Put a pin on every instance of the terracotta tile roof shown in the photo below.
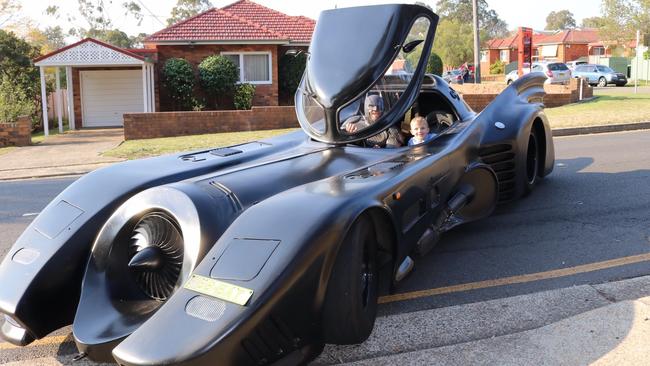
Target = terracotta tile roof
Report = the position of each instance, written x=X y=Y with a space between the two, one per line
x=243 y=20
x=585 y=36
x=503 y=43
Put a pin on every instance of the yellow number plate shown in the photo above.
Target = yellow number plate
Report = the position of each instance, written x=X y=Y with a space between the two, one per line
x=219 y=289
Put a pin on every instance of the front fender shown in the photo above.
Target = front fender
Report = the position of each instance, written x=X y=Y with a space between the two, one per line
x=46 y=264
x=297 y=233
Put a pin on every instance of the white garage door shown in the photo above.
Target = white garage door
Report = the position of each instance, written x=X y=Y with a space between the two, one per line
x=107 y=94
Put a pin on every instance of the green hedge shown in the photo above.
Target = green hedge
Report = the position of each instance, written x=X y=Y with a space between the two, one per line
x=244 y=94
x=178 y=78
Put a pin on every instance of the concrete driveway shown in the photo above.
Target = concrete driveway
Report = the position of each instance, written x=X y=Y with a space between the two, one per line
x=75 y=152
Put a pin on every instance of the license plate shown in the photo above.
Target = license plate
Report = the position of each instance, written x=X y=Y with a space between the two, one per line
x=219 y=289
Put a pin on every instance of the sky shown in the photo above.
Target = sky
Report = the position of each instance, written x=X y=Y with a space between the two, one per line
x=524 y=13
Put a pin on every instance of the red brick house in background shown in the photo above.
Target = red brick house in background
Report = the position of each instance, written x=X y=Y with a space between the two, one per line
x=253 y=36
x=563 y=46
x=104 y=82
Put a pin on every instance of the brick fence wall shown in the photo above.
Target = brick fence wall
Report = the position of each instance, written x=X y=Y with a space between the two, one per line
x=18 y=133
x=167 y=124
x=478 y=96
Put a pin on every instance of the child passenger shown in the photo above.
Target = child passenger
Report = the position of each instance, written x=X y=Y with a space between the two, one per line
x=420 y=131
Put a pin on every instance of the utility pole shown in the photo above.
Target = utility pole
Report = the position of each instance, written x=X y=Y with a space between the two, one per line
x=477 y=49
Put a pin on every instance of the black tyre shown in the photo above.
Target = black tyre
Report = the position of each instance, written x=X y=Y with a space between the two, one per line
x=602 y=82
x=350 y=306
x=532 y=162
x=509 y=82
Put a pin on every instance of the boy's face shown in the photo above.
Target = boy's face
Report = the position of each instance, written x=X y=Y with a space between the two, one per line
x=419 y=129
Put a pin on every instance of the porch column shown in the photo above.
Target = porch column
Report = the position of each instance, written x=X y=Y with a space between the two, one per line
x=46 y=128
x=68 y=82
x=59 y=105
x=145 y=94
x=153 y=88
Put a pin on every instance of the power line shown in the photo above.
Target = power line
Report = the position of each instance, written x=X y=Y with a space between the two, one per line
x=151 y=13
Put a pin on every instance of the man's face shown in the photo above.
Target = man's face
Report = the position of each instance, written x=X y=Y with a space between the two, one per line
x=374 y=112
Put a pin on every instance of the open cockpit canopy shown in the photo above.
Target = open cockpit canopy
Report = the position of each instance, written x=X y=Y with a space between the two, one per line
x=359 y=52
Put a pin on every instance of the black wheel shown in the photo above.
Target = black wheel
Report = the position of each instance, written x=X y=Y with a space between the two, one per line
x=532 y=162
x=509 y=82
x=350 y=306
x=602 y=82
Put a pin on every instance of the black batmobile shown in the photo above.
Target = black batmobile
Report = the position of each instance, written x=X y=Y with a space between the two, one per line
x=264 y=251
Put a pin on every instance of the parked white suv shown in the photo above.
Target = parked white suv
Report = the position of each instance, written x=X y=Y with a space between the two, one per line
x=556 y=72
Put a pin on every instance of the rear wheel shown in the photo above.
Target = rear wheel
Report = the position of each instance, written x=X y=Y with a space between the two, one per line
x=350 y=306
x=602 y=82
x=532 y=162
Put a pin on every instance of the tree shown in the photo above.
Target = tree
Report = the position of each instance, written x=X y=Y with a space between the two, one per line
x=593 y=22
x=562 y=19
x=622 y=18
x=462 y=11
x=112 y=36
x=434 y=64
x=290 y=70
x=99 y=24
x=218 y=76
x=454 y=42
x=8 y=11
x=187 y=8
x=19 y=78
x=48 y=40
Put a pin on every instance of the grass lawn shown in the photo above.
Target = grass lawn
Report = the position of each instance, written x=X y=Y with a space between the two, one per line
x=135 y=149
x=605 y=109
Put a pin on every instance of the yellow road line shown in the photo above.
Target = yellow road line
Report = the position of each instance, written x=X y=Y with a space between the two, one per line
x=517 y=279
x=455 y=288
x=41 y=342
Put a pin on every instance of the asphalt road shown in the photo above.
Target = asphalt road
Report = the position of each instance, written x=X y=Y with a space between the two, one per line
x=594 y=207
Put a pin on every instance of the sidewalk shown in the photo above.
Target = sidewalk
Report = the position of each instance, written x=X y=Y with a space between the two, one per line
x=606 y=324
x=75 y=152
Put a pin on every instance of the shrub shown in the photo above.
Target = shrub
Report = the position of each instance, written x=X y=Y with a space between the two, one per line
x=290 y=72
x=178 y=77
x=244 y=96
x=434 y=64
x=218 y=76
x=498 y=67
x=14 y=102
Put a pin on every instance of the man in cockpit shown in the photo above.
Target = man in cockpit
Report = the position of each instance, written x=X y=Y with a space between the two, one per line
x=374 y=108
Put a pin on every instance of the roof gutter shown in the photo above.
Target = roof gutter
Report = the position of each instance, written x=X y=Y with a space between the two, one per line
x=215 y=42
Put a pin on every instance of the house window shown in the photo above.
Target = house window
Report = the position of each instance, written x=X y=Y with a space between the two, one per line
x=598 y=51
x=504 y=55
x=254 y=67
x=484 y=56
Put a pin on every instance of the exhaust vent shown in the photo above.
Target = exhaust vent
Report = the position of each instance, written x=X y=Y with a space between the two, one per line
x=501 y=159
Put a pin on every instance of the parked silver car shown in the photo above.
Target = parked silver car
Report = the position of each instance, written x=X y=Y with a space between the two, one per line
x=556 y=72
x=600 y=75
x=453 y=76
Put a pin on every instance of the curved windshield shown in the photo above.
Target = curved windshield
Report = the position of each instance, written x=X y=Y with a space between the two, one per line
x=370 y=106
x=310 y=110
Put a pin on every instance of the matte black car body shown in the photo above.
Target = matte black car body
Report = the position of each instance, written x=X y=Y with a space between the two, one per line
x=114 y=253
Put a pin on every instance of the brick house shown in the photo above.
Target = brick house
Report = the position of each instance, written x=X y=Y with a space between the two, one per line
x=563 y=46
x=104 y=81
x=253 y=36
